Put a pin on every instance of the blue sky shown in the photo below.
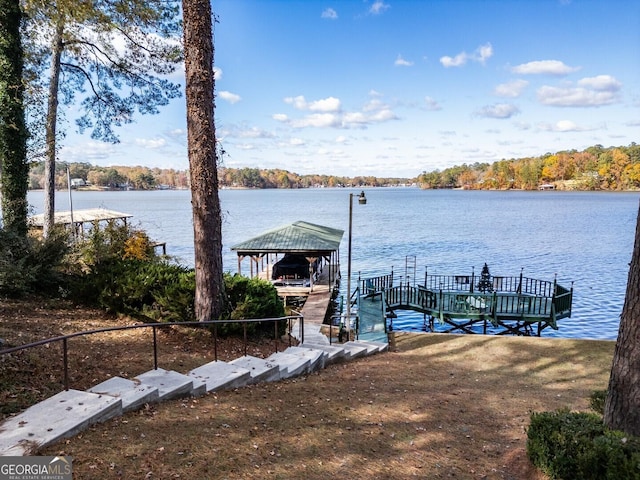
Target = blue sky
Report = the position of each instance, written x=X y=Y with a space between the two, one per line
x=397 y=87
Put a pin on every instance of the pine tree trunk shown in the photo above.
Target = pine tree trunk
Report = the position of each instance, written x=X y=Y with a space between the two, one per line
x=50 y=135
x=622 y=406
x=14 y=169
x=198 y=49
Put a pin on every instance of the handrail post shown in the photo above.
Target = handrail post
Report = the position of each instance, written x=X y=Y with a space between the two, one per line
x=215 y=342
x=155 y=349
x=302 y=329
x=65 y=360
x=275 y=333
x=244 y=331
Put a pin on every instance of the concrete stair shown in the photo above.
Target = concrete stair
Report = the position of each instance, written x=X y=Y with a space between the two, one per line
x=133 y=394
x=261 y=370
x=61 y=416
x=70 y=412
x=219 y=375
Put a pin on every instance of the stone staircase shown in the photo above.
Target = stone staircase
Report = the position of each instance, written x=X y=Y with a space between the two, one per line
x=70 y=412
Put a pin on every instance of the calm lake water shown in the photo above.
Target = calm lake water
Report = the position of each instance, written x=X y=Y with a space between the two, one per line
x=582 y=237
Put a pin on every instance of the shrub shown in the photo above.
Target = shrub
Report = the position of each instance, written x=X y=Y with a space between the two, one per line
x=151 y=290
x=569 y=445
x=596 y=401
x=29 y=264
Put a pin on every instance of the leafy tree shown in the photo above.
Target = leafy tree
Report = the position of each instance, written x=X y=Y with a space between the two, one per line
x=122 y=50
x=622 y=406
x=203 y=157
x=14 y=170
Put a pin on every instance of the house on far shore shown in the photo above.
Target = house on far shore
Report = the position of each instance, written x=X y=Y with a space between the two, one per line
x=547 y=186
x=78 y=182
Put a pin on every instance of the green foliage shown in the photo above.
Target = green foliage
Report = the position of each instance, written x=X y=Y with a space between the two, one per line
x=252 y=298
x=30 y=265
x=569 y=445
x=114 y=241
x=14 y=169
x=249 y=298
x=151 y=290
x=596 y=401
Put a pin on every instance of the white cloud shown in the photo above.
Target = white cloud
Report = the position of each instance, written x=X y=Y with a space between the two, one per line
x=562 y=126
x=217 y=73
x=329 y=104
x=378 y=7
x=229 y=97
x=318 y=120
x=590 y=92
x=456 y=61
x=432 y=104
x=341 y=139
x=329 y=114
x=511 y=89
x=151 y=143
x=601 y=83
x=253 y=132
x=296 y=142
x=544 y=67
x=329 y=13
x=401 y=62
x=481 y=54
x=88 y=151
x=498 y=110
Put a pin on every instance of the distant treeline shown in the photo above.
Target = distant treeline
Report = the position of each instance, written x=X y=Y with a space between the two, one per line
x=85 y=175
x=595 y=168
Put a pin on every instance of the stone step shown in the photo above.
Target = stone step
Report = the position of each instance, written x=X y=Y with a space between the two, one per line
x=61 y=416
x=377 y=347
x=170 y=384
x=334 y=352
x=371 y=348
x=354 y=350
x=316 y=357
x=290 y=365
x=261 y=370
x=134 y=394
x=219 y=375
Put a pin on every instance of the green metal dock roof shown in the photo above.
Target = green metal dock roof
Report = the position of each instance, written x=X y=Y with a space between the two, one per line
x=299 y=237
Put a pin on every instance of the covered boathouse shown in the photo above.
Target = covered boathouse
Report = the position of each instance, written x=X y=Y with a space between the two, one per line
x=295 y=258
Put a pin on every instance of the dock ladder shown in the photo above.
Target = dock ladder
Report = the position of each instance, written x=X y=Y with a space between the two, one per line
x=410 y=270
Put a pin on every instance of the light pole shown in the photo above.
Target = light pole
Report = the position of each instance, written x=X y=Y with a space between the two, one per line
x=362 y=200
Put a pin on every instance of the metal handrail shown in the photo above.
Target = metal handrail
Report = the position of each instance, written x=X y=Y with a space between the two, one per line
x=65 y=338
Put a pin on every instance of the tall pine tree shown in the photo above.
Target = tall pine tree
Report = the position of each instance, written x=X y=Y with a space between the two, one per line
x=201 y=137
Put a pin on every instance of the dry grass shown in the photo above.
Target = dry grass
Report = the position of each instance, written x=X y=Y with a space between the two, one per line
x=436 y=406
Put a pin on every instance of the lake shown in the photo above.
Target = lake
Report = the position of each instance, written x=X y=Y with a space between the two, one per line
x=580 y=237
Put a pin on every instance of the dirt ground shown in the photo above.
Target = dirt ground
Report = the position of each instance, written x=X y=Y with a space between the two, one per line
x=434 y=406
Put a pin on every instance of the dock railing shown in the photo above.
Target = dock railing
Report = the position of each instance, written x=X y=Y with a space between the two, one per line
x=516 y=298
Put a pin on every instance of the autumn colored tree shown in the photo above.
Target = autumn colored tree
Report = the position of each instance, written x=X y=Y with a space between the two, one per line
x=14 y=170
x=622 y=406
x=201 y=141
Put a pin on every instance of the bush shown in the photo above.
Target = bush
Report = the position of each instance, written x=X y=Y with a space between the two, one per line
x=596 y=401
x=29 y=265
x=151 y=290
x=568 y=445
x=249 y=298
